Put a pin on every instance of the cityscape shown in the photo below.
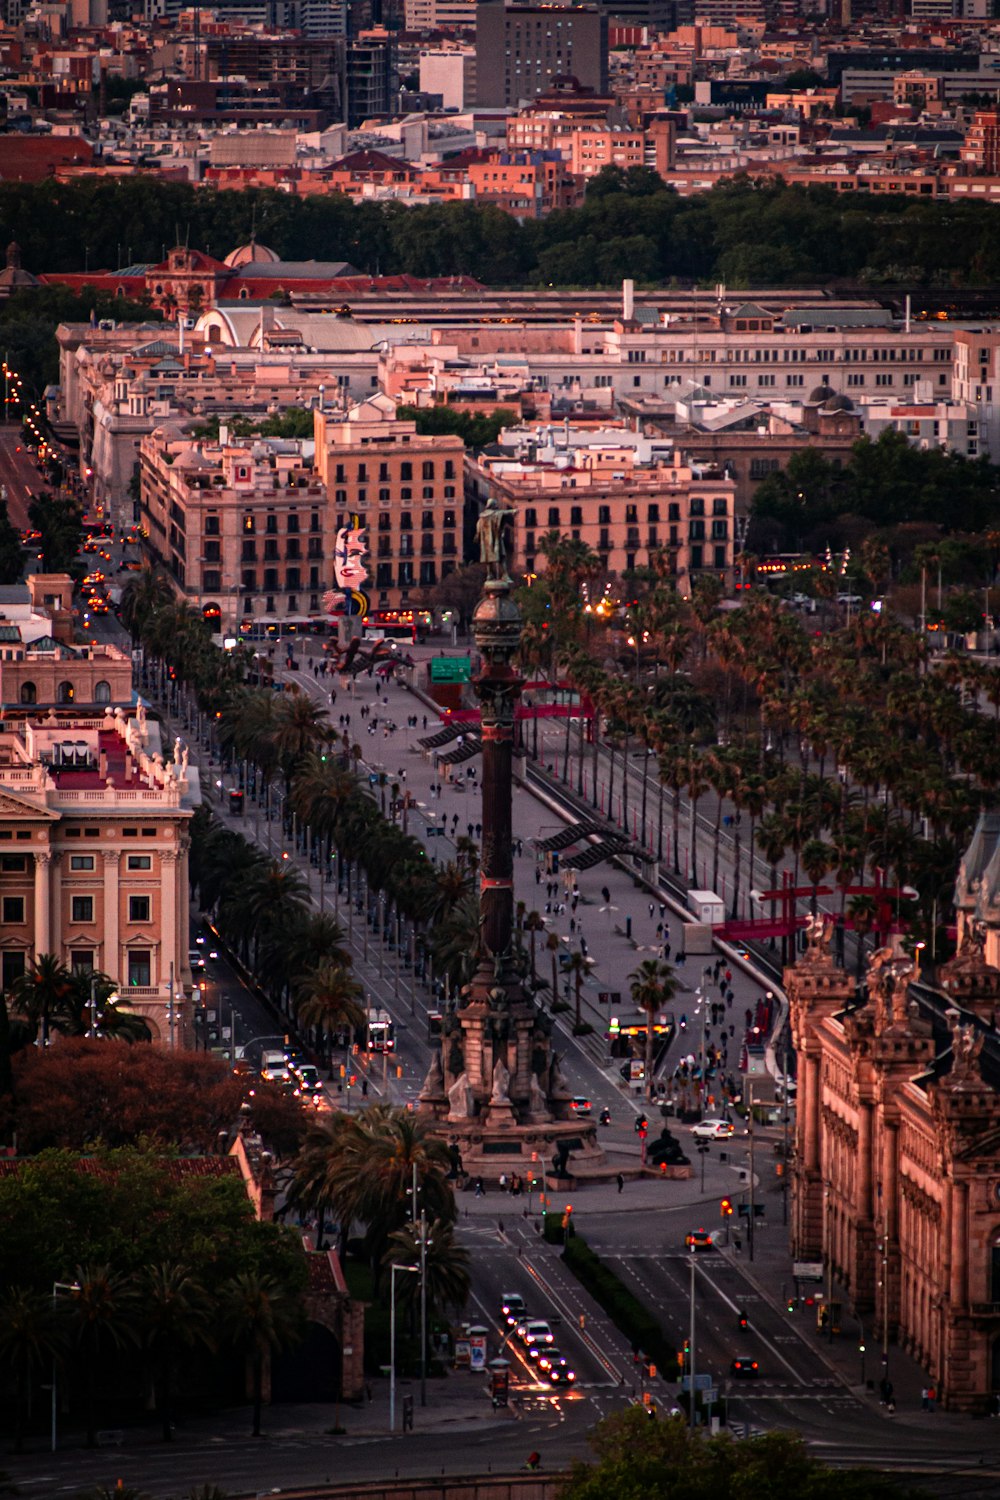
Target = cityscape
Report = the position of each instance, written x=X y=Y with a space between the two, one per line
x=499 y=752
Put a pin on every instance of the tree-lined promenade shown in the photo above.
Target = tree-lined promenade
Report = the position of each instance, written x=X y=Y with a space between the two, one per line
x=841 y=753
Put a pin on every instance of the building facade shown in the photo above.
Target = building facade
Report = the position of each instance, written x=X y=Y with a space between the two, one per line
x=94 y=857
x=521 y=48
x=625 y=511
x=896 y=1176
x=406 y=490
x=243 y=527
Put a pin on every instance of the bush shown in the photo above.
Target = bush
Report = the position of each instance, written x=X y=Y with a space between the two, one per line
x=552 y=1230
x=639 y=1326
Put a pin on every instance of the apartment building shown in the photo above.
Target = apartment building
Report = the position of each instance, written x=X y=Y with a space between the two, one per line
x=977 y=382
x=520 y=49
x=243 y=527
x=406 y=489
x=625 y=510
x=94 y=857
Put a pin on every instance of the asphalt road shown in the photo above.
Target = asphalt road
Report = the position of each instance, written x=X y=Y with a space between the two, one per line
x=19 y=473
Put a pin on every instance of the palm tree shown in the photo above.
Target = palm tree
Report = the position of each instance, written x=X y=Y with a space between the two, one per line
x=30 y=1341
x=259 y=1317
x=817 y=859
x=447 y=1265
x=300 y=725
x=327 y=1000
x=579 y=967
x=652 y=984
x=145 y=594
x=45 y=993
x=176 y=1313
x=101 y=1317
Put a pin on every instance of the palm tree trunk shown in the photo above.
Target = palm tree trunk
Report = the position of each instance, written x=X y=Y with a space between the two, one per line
x=258 y=1388
x=736 y=871
x=648 y=1062
x=645 y=792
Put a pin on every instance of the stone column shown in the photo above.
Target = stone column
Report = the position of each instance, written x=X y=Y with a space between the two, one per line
x=55 y=903
x=112 y=964
x=171 y=950
x=811 y=1113
x=958 y=1288
x=43 y=859
x=496 y=627
x=863 y=1204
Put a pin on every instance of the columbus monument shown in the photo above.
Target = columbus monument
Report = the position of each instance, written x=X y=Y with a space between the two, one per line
x=495 y=1089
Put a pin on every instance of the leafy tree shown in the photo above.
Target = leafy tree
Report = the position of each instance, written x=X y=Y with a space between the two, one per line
x=476 y=429
x=60 y=521
x=11 y=556
x=651 y=985
x=642 y=1460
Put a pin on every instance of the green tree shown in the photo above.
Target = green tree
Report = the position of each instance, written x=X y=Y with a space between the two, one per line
x=11 y=556
x=651 y=985
x=30 y=1340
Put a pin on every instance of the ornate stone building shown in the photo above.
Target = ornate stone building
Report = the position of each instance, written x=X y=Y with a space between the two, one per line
x=896 y=1178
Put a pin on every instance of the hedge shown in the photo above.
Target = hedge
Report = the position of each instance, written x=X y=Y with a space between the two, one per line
x=636 y=1322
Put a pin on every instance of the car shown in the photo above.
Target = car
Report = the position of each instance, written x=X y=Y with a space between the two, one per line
x=556 y=1368
x=713 y=1130
x=699 y=1239
x=308 y=1077
x=213 y=954
x=850 y=599
x=93 y=578
x=580 y=1104
x=195 y=961
x=512 y=1308
x=534 y=1332
x=744 y=1368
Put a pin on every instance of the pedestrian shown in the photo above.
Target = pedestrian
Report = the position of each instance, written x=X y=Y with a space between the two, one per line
x=538 y=875
x=605 y=895
x=659 y=930
x=364 y=1088
x=891 y=1406
x=652 y=908
x=425 y=721
x=621 y=1183
x=500 y=1226
x=729 y=976
x=924 y=1402
x=681 y=958
x=666 y=951
x=932 y=1398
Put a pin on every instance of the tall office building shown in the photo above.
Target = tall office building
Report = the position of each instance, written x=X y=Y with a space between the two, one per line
x=521 y=48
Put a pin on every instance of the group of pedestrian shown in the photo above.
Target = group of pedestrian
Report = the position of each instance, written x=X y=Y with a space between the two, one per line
x=514 y=1184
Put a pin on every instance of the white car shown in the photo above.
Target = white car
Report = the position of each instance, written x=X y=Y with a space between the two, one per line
x=196 y=960
x=713 y=1130
x=535 y=1331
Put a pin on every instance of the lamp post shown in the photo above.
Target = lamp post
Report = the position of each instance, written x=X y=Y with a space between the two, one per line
x=392 y=1340
x=58 y=1286
x=691 y=1351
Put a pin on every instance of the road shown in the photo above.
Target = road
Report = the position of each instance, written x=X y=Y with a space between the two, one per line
x=19 y=473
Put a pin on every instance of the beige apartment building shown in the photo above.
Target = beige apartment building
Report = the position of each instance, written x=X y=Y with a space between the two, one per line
x=243 y=527
x=406 y=490
x=624 y=510
x=94 y=857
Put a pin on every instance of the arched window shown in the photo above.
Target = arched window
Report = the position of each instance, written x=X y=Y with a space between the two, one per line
x=102 y=692
x=29 y=693
x=65 y=693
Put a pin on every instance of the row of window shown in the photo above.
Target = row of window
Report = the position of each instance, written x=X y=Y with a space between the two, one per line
x=66 y=692
x=696 y=507
x=212 y=581
x=293 y=549
x=696 y=558
x=17 y=864
x=250 y=519
x=428 y=574
x=140 y=909
x=427 y=471
x=386 y=497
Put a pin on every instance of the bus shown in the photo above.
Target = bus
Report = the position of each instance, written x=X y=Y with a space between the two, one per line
x=409 y=625
x=381 y=1032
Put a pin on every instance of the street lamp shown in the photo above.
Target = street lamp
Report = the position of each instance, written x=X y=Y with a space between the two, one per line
x=392 y=1339
x=59 y=1286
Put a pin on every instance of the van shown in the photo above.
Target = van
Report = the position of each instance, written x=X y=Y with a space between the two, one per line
x=274 y=1066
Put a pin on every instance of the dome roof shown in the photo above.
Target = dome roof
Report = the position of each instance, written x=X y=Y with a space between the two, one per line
x=839 y=403
x=244 y=255
x=821 y=393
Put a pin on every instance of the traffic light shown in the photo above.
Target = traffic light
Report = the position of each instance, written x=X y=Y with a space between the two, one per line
x=641 y=1124
x=726 y=1208
x=742 y=1317
x=791 y=1303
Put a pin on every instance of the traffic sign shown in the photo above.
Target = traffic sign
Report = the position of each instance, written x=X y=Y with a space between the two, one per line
x=808 y=1270
x=451 y=668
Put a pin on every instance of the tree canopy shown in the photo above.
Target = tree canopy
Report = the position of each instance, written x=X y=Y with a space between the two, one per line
x=640 y=1459
x=744 y=231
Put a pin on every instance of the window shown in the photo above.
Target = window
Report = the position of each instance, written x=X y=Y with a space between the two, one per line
x=138 y=967
x=576 y=515
x=211 y=580
x=13 y=863
x=81 y=861
x=553 y=515
x=211 y=526
x=82 y=908
x=213 y=553
x=405 y=472
x=138 y=909
x=29 y=693
x=428 y=469
x=102 y=692
x=81 y=960
x=13 y=968
x=13 y=910
x=139 y=862
x=65 y=692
